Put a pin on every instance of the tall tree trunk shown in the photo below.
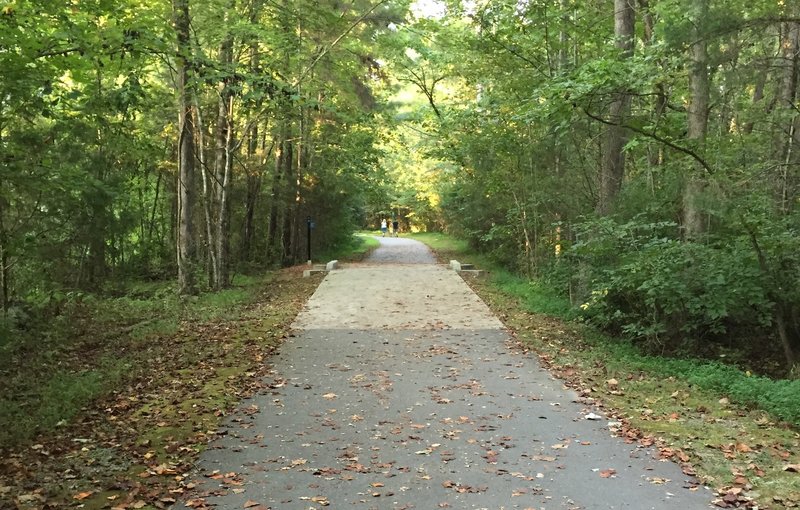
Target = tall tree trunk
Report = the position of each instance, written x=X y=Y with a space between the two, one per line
x=152 y=223
x=694 y=218
x=224 y=208
x=758 y=96
x=254 y=170
x=613 y=167
x=563 y=36
x=655 y=153
x=208 y=199
x=278 y=222
x=186 y=252
x=789 y=137
x=224 y=161
x=5 y=267
x=281 y=212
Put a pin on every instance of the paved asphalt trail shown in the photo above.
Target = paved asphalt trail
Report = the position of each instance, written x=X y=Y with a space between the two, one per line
x=400 y=390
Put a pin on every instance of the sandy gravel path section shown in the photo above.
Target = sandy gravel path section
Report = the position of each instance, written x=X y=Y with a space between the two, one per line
x=413 y=296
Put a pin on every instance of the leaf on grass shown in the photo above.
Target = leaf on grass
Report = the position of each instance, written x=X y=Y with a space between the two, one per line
x=793 y=468
x=82 y=495
x=164 y=469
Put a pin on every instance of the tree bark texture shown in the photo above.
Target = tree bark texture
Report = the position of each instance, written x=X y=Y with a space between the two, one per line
x=613 y=166
x=223 y=163
x=5 y=267
x=186 y=252
x=694 y=218
x=786 y=181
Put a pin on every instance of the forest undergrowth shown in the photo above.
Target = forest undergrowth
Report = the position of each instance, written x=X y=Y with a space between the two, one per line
x=738 y=433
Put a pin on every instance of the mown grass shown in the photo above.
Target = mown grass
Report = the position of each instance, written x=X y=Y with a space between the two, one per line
x=736 y=429
x=358 y=247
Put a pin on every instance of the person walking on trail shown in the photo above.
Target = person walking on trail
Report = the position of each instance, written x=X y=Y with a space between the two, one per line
x=383 y=227
x=395 y=227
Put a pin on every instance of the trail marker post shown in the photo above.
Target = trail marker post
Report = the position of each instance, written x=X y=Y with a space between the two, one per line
x=310 y=225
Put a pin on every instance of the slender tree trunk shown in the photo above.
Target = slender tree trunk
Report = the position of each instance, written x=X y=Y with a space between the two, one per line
x=186 y=252
x=613 y=167
x=758 y=96
x=224 y=161
x=254 y=170
x=694 y=218
x=655 y=153
x=789 y=138
x=281 y=211
x=280 y=190
x=224 y=209
x=563 y=36
x=208 y=199
x=153 y=212
x=5 y=268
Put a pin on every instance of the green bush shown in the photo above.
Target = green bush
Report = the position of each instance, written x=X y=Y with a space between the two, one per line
x=671 y=294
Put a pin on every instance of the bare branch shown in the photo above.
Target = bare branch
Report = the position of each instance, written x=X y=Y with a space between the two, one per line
x=672 y=145
x=336 y=41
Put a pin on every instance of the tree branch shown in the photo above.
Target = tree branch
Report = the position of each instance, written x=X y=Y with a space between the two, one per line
x=672 y=145
x=336 y=41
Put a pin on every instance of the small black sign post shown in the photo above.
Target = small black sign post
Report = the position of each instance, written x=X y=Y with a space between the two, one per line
x=310 y=225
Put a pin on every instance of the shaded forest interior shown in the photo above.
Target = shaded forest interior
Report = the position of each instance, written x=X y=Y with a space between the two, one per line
x=641 y=157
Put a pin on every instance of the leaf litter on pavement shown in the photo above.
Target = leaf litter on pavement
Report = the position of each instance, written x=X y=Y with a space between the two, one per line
x=749 y=459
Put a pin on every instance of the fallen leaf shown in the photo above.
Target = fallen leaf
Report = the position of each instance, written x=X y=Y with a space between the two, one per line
x=330 y=396
x=793 y=468
x=82 y=495
x=608 y=473
x=250 y=503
